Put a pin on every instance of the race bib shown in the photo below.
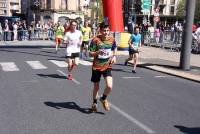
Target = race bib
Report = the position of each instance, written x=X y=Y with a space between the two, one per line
x=134 y=46
x=104 y=53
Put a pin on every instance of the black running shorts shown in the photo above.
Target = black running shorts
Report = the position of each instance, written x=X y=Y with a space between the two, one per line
x=96 y=75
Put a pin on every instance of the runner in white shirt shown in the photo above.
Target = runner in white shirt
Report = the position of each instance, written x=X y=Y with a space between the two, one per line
x=73 y=41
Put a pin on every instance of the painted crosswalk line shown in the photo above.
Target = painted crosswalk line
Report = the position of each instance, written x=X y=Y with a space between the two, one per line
x=12 y=66
x=36 y=65
x=59 y=63
x=85 y=63
x=9 y=66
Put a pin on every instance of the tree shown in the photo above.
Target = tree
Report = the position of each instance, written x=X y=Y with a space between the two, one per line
x=197 y=11
x=181 y=9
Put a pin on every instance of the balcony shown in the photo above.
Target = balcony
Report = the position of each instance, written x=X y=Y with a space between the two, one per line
x=14 y=1
x=14 y=7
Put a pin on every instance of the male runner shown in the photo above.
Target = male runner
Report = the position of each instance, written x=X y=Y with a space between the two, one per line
x=103 y=49
x=134 y=48
x=73 y=41
x=59 y=31
x=86 y=31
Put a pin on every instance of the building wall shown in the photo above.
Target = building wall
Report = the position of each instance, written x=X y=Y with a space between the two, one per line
x=7 y=7
x=63 y=8
x=168 y=6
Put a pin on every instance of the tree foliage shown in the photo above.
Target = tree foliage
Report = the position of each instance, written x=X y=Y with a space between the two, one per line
x=181 y=9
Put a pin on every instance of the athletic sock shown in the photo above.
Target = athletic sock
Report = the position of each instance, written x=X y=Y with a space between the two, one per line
x=104 y=97
x=95 y=101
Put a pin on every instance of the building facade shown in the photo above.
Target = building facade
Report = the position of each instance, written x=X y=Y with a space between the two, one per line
x=167 y=7
x=54 y=10
x=167 y=10
x=10 y=7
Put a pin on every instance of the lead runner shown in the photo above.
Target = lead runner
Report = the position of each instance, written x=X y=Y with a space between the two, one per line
x=103 y=48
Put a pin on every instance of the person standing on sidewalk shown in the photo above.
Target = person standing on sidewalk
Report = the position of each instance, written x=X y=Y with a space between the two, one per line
x=87 y=32
x=59 y=31
x=103 y=49
x=134 y=48
x=73 y=41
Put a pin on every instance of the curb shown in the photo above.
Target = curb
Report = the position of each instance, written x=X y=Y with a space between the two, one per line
x=173 y=72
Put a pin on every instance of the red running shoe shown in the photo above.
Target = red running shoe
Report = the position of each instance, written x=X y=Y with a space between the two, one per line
x=69 y=77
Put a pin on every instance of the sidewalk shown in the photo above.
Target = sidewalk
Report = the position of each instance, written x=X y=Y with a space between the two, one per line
x=153 y=58
x=167 y=61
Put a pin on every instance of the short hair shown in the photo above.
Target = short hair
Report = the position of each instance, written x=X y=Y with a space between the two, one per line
x=73 y=21
x=136 y=28
x=103 y=25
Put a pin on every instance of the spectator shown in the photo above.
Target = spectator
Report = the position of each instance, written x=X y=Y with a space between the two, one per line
x=1 y=31
x=15 y=27
x=5 y=30
x=157 y=34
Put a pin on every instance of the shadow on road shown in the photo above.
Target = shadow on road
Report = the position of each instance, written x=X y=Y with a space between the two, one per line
x=69 y=105
x=187 y=130
x=52 y=76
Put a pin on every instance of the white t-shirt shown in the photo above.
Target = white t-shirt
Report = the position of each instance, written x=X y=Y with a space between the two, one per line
x=75 y=41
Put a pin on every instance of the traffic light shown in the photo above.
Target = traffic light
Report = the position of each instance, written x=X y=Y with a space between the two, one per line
x=146 y=4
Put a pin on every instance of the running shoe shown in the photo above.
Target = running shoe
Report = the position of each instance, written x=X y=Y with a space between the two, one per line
x=69 y=77
x=105 y=104
x=94 y=107
x=125 y=63
x=133 y=71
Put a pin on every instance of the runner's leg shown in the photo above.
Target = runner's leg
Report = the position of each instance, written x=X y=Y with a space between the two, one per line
x=136 y=55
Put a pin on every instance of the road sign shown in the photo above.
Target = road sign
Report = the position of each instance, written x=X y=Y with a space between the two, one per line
x=146 y=4
x=36 y=3
x=156 y=18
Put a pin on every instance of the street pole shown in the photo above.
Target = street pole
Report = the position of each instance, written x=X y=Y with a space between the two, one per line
x=187 y=35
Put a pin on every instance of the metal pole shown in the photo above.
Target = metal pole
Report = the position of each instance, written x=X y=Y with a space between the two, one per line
x=187 y=35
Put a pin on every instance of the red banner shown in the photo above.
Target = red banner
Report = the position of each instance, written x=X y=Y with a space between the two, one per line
x=113 y=12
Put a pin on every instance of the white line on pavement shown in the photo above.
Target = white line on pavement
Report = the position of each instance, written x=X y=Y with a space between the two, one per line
x=74 y=80
x=9 y=66
x=131 y=77
x=59 y=63
x=130 y=118
x=162 y=76
x=52 y=48
x=36 y=65
x=86 y=63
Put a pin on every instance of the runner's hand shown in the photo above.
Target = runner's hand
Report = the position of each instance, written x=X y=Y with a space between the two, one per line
x=113 y=60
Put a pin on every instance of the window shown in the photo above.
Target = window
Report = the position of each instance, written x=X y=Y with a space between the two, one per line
x=48 y=4
x=172 y=9
x=172 y=2
x=3 y=5
x=161 y=1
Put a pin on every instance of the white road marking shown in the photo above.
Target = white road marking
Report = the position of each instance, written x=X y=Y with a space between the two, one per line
x=59 y=63
x=86 y=63
x=162 y=76
x=53 y=48
x=74 y=80
x=133 y=120
x=9 y=66
x=195 y=70
x=131 y=77
x=36 y=65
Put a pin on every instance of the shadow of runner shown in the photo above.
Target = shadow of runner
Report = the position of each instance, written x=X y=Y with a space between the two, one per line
x=52 y=76
x=70 y=105
x=187 y=130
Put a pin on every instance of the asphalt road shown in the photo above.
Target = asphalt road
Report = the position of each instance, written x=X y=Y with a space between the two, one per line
x=36 y=98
